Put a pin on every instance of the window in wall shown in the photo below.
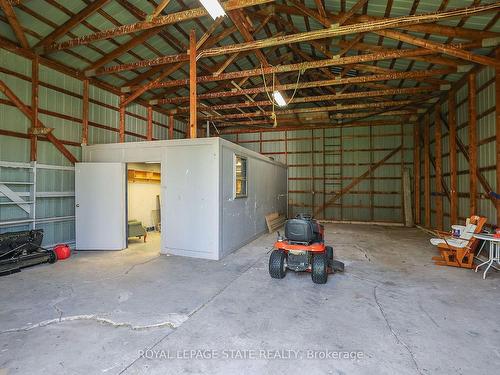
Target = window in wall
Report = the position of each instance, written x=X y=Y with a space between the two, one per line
x=240 y=176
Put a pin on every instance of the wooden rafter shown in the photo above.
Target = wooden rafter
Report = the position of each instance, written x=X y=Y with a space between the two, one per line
x=14 y=23
x=318 y=64
x=70 y=24
x=357 y=6
x=145 y=25
x=439 y=47
x=304 y=85
x=324 y=98
x=159 y=8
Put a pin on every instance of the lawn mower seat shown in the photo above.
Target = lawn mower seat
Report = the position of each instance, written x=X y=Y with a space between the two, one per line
x=302 y=229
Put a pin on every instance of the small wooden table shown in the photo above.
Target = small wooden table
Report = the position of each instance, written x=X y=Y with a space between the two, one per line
x=494 y=255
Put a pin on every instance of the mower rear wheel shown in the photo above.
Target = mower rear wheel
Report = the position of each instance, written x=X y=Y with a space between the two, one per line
x=277 y=265
x=319 y=272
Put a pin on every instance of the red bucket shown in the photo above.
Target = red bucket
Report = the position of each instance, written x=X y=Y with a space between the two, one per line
x=62 y=251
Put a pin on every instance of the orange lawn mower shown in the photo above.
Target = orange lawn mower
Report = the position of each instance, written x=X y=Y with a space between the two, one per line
x=303 y=249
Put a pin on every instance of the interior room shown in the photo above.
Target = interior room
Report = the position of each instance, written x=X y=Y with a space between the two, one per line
x=249 y=186
x=143 y=202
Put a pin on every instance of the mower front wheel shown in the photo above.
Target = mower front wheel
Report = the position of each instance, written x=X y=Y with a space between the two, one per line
x=319 y=272
x=277 y=265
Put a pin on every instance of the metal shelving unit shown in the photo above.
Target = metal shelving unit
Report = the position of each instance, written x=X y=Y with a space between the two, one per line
x=26 y=199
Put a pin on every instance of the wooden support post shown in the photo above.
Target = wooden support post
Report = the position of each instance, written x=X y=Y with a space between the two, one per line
x=85 y=113
x=427 y=173
x=452 y=141
x=438 y=167
x=34 y=106
x=122 y=119
x=149 y=134
x=472 y=144
x=497 y=88
x=416 y=170
x=192 y=84
x=171 y=126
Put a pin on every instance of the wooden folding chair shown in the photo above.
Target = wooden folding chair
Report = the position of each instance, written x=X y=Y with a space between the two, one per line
x=459 y=256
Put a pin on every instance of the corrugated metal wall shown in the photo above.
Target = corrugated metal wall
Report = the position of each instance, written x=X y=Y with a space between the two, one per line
x=324 y=161
x=60 y=107
x=486 y=151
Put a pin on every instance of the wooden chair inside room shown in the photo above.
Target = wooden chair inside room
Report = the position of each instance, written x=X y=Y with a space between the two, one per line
x=459 y=252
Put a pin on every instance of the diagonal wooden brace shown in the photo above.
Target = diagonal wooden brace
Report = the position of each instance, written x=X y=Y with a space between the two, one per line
x=28 y=113
x=358 y=179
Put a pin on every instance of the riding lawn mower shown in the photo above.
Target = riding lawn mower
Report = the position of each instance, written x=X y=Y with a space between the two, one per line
x=303 y=249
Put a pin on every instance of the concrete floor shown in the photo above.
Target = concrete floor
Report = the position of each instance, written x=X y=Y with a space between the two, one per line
x=98 y=312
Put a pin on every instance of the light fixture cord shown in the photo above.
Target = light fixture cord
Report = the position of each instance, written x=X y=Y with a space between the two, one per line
x=265 y=85
x=296 y=87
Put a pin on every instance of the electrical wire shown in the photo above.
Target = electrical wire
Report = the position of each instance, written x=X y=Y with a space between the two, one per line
x=271 y=98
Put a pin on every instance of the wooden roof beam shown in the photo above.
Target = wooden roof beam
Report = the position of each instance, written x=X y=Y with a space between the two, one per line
x=351 y=29
x=70 y=24
x=298 y=125
x=124 y=48
x=325 y=21
x=168 y=19
x=14 y=23
x=441 y=48
x=322 y=98
x=304 y=85
x=372 y=26
x=318 y=64
x=166 y=72
x=159 y=8
x=295 y=118
x=345 y=17
x=321 y=8
x=333 y=108
x=430 y=28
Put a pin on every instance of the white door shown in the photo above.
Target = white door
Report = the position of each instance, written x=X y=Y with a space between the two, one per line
x=100 y=198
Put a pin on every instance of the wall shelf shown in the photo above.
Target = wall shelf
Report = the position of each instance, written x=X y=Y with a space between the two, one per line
x=143 y=176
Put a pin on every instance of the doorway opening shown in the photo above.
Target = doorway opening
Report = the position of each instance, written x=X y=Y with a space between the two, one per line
x=143 y=205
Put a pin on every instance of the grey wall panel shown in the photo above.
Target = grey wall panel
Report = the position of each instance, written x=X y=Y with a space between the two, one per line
x=244 y=218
